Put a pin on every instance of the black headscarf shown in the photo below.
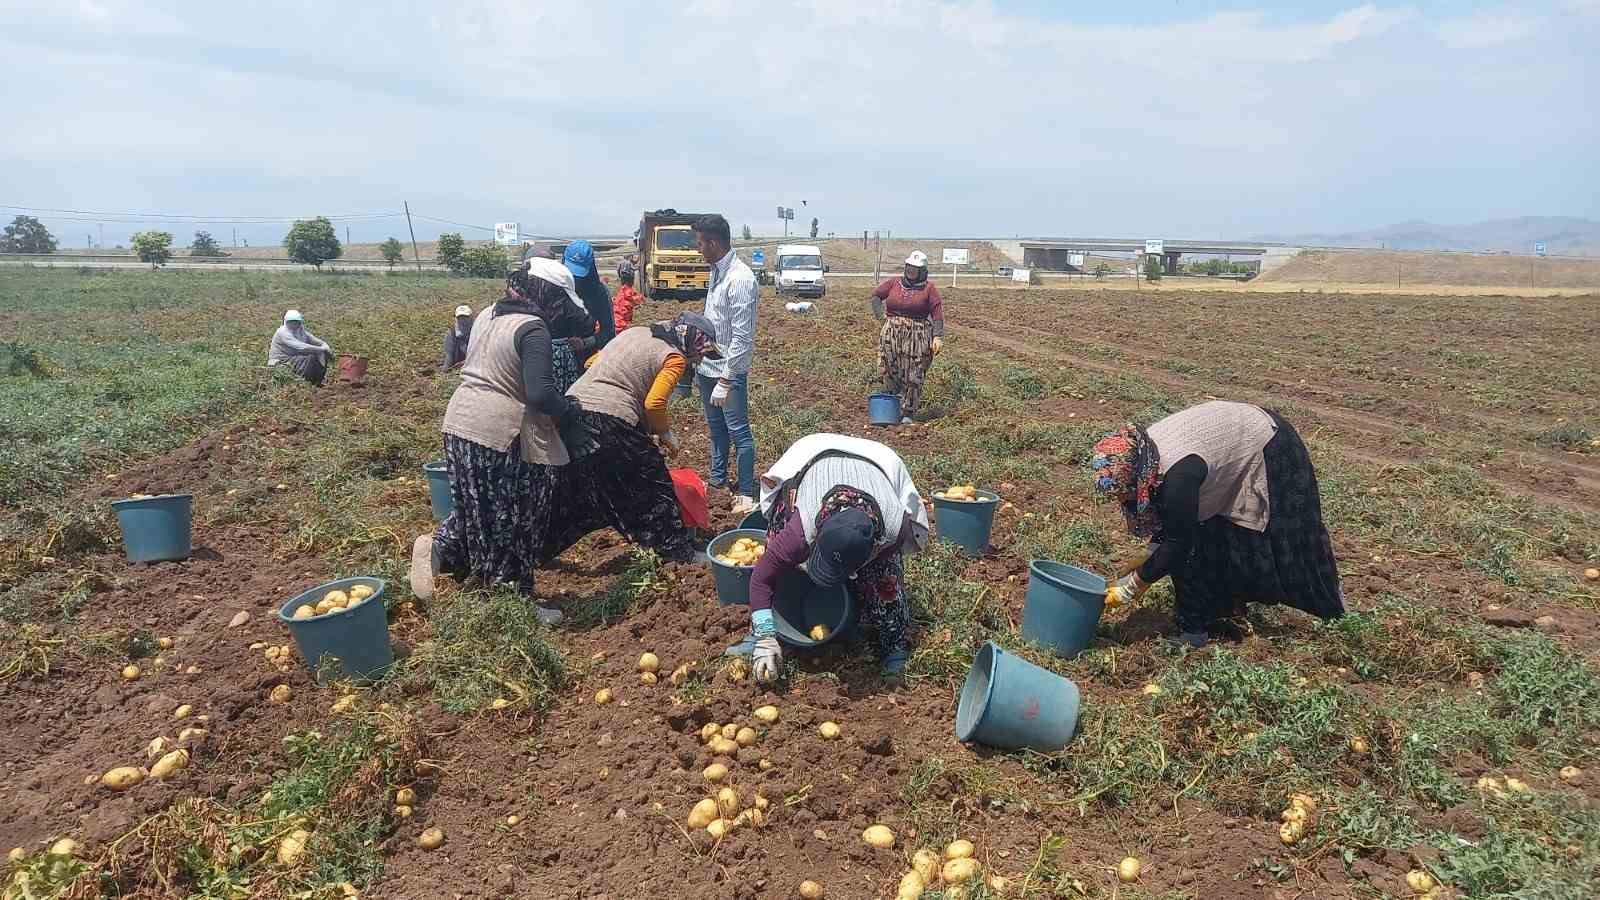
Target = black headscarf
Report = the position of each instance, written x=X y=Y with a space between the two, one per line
x=531 y=295
x=919 y=283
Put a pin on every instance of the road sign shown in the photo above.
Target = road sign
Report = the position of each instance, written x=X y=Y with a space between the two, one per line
x=789 y=213
x=1074 y=259
x=759 y=257
x=1538 y=248
x=1023 y=275
x=507 y=233
x=1154 y=247
x=955 y=256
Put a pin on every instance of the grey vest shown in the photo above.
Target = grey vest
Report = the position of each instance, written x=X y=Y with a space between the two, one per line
x=620 y=378
x=1229 y=437
x=490 y=405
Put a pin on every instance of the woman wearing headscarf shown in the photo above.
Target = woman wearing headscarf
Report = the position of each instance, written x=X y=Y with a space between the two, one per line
x=294 y=345
x=1227 y=496
x=592 y=293
x=571 y=331
x=456 y=339
x=502 y=442
x=912 y=332
x=618 y=475
x=627 y=299
x=846 y=510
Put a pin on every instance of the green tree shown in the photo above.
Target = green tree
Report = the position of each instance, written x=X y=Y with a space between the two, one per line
x=313 y=242
x=1152 y=267
x=487 y=261
x=205 y=245
x=153 y=247
x=451 y=249
x=747 y=232
x=26 y=234
x=392 y=251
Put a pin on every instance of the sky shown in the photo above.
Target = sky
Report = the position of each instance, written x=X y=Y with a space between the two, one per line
x=1168 y=118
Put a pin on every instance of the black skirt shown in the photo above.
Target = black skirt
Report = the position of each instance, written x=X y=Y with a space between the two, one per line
x=1291 y=562
x=500 y=513
x=620 y=483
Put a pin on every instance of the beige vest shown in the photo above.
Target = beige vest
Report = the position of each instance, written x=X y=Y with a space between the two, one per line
x=489 y=407
x=620 y=378
x=1229 y=438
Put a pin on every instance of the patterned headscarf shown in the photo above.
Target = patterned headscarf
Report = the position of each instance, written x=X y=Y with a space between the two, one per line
x=843 y=497
x=691 y=334
x=1127 y=466
x=542 y=298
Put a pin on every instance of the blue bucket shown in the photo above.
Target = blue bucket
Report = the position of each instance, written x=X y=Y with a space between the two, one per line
x=967 y=524
x=884 y=409
x=358 y=637
x=439 y=489
x=1063 y=606
x=733 y=582
x=799 y=605
x=156 y=528
x=1010 y=703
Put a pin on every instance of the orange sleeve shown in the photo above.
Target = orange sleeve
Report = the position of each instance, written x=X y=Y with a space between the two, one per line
x=655 y=403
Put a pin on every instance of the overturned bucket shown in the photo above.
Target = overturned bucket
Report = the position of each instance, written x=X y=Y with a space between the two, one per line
x=966 y=523
x=883 y=409
x=1010 y=703
x=356 y=638
x=1063 y=606
x=156 y=528
x=438 y=474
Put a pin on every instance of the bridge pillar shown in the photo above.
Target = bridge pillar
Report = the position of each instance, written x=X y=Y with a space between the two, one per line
x=1169 y=263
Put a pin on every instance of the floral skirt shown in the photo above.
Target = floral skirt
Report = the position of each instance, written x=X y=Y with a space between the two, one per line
x=500 y=516
x=905 y=351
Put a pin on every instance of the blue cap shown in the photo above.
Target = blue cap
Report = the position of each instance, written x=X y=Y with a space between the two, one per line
x=579 y=259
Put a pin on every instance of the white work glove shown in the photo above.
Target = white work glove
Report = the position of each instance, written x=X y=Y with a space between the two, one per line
x=671 y=443
x=938 y=344
x=767 y=660
x=719 y=394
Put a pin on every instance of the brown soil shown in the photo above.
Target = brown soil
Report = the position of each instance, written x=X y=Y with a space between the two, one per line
x=1486 y=269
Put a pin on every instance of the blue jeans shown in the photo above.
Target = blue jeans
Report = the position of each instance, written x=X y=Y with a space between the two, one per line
x=730 y=423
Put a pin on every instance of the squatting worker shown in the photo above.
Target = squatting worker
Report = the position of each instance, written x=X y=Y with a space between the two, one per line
x=846 y=510
x=725 y=383
x=294 y=345
x=456 y=338
x=579 y=260
x=627 y=299
x=549 y=288
x=618 y=476
x=912 y=333
x=502 y=442
x=1226 y=494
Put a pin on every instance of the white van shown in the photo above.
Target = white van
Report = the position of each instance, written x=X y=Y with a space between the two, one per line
x=800 y=271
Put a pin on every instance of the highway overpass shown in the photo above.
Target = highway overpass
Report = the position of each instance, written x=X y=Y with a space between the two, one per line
x=1056 y=254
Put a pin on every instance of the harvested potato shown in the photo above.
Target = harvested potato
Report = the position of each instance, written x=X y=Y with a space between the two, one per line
x=1591 y=574
x=280 y=694
x=911 y=886
x=1358 y=746
x=730 y=730
x=709 y=732
x=324 y=607
x=191 y=734
x=745 y=737
x=157 y=746
x=513 y=821
x=959 y=849
x=343 y=704
x=819 y=632
x=335 y=598
x=728 y=802
x=1571 y=773
x=1420 y=881
x=431 y=839
x=828 y=730
x=649 y=662
x=360 y=592
x=164 y=643
x=724 y=747
x=765 y=764
x=183 y=711
x=1128 y=869
x=292 y=847
x=304 y=612
x=1304 y=801
x=123 y=777
x=767 y=714
x=715 y=772
x=405 y=797
x=1291 y=832
x=719 y=828
x=65 y=847
x=810 y=890
x=1516 y=785
x=959 y=871
x=926 y=863
x=703 y=814
x=16 y=855
x=681 y=674
x=1292 y=814
x=998 y=884
x=647 y=678
x=170 y=763
x=878 y=836
x=1151 y=690
x=402 y=812
x=130 y=672
x=602 y=696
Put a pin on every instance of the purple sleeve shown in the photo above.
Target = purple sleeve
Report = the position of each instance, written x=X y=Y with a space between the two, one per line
x=785 y=551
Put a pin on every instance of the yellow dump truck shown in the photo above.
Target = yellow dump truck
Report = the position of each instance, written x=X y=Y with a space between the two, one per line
x=670 y=265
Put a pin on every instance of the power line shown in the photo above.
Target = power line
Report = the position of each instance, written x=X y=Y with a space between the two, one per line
x=135 y=217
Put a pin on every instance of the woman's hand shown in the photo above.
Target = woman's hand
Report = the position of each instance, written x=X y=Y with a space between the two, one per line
x=670 y=443
x=938 y=344
x=766 y=662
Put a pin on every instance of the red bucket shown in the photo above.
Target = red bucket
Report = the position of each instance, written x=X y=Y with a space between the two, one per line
x=352 y=367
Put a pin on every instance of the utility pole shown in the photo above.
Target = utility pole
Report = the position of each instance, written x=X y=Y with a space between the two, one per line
x=236 y=237
x=415 y=255
x=347 y=234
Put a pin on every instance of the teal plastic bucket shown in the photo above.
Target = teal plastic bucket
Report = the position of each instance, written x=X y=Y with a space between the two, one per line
x=439 y=488
x=967 y=524
x=156 y=528
x=1063 y=606
x=357 y=638
x=733 y=582
x=799 y=605
x=883 y=409
x=1010 y=703
x=756 y=520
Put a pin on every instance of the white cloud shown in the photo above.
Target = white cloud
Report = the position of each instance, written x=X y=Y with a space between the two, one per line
x=1490 y=28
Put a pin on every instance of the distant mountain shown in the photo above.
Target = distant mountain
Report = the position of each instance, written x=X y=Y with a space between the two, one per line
x=1561 y=235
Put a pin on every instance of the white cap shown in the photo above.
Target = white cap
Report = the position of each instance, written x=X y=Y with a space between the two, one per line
x=293 y=315
x=463 y=310
x=553 y=271
x=918 y=259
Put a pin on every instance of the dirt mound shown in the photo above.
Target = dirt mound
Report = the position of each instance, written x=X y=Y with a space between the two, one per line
x=1457 y=269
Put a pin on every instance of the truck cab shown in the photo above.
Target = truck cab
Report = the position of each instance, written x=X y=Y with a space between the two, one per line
x=670 y=264
x=800 y=271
